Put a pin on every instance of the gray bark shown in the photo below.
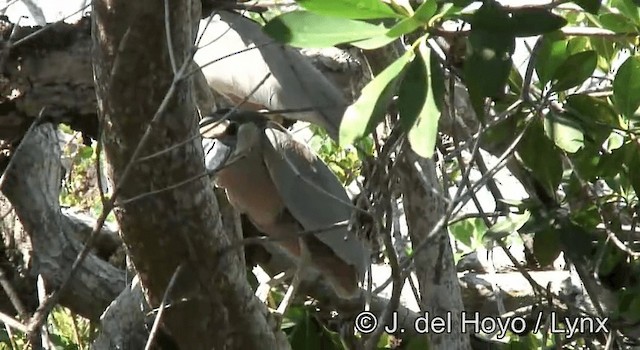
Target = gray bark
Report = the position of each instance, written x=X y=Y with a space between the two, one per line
x=33 y=187
x=213 y=305
x=435 y=269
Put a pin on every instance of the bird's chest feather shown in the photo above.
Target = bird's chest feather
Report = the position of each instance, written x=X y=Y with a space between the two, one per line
x=251 y=190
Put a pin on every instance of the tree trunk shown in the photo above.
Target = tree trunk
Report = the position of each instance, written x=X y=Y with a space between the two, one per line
x=439 y=287
x=212 y=305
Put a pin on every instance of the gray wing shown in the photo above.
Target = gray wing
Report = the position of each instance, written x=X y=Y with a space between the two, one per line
x=313 y=194
x=294 y=82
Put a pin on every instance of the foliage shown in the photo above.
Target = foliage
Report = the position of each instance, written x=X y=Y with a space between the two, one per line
x=569 y=116
x=67 y=331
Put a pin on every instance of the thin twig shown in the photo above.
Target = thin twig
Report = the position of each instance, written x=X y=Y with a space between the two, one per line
x=396 y=273
x=167 y=29
x=13 y=295
x=165 y=298
x=47 y=27
x=526 y=83
x=12 y=322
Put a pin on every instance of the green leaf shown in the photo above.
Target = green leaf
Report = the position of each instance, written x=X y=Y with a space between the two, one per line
x=626 y=87
x=491 y=16
x=606 y=50
x=420 y=342
x=505 y=228
x=628 y=9
x=548 y=169
x=413 y=92
x=574 y=70
x=575 y=45
x=419 y=112
x=594 y=112
x=552 y=53
x=564 y=132
x=575 y=240
x=515 y=81
x=487 y=67
x=632 y=311
x=591 y=6
x=420 y=18
x=357 y=120
x=633 y=163
x=489 y=51
x=306 y=334
x=353 y=9
x=467 y=231
x=546 y=246
x=617 y=23
x=306 y=29
x=373 y=43
x=85 y=152
x=534 y=21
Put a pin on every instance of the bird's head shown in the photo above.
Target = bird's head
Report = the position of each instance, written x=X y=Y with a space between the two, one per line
x=229 y=135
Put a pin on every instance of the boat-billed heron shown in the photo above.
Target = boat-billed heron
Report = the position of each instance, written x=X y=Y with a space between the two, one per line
x=286 y=190
x=235 y=56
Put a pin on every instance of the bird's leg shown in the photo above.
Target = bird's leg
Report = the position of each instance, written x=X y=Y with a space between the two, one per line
x=303 y=262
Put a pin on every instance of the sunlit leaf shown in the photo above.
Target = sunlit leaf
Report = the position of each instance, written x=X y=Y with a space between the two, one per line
x=419 y=112
x=85 y=152
x=504 y=228
x=574 y=70
x=357 y=120
x=617 y=23
x=353 y=9
x=420 y=18
x=628 y=9
x=373 y=43
x=626 y=87
x=606 y=50
x=566 y=134
x=467 y=231
x=306 y=29
x=575 y=45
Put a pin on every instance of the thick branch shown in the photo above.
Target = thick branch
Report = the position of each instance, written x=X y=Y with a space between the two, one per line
x=33 y=188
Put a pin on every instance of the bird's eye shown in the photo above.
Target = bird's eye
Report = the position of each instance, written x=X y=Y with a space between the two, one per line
x=232 y=129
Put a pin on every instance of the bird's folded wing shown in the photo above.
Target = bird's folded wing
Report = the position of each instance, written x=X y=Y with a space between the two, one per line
x=313 y=195
x=244 y=55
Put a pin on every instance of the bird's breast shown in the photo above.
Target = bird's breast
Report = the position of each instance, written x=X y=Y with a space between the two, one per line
x=251 y=190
